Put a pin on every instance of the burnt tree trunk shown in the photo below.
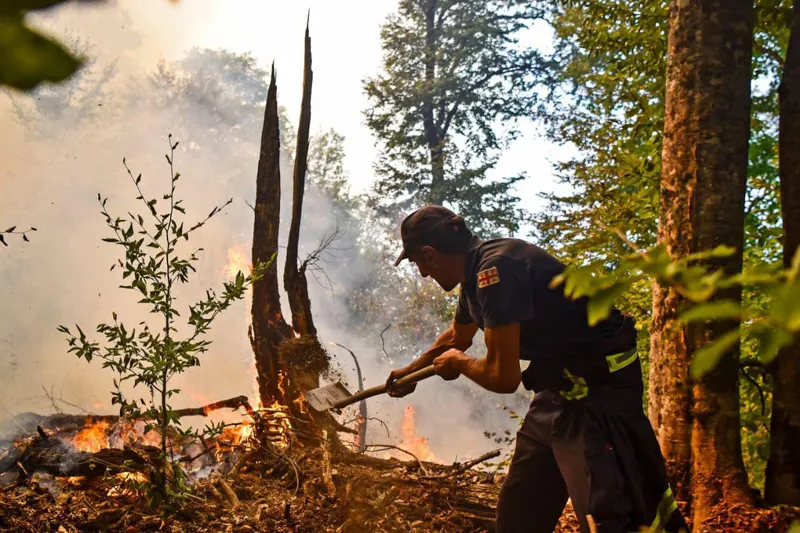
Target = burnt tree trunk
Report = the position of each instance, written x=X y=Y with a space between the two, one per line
x=269 y=330
x=783 y=468
x=703 y=184
x=304 y=355
x=432 y=135
x=294 y=279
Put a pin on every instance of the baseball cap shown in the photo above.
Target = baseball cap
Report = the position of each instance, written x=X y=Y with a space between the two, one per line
x=432 y=225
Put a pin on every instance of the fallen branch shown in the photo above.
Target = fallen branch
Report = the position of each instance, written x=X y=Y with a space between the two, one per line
x=341 y=428
x=227 y=491
x=230 y=403
x=459 y=469
x=383 y=447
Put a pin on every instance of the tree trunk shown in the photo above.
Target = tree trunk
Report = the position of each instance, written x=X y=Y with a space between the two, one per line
x=294 y=279
x=268 y=328
x=783 y=467
x=704 y=175
x=434 y=139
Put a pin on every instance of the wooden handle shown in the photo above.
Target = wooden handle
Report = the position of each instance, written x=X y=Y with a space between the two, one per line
x=414 y=377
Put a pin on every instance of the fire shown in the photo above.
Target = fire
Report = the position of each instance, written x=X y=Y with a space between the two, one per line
x=412 y=441
x=237 y=261
x=92 y=438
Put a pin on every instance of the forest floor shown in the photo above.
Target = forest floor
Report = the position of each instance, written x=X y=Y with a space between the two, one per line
x=48 y=485
x=368 y=494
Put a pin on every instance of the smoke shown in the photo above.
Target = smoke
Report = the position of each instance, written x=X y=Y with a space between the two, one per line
x=63 y=145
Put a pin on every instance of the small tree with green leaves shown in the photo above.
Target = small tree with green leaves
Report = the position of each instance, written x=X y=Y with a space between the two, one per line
x=149 y=357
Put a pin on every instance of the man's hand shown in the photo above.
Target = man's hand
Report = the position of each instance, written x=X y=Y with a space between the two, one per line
x=447 y=364
x=399 y=392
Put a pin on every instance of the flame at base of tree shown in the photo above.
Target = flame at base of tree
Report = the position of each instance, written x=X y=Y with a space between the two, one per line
x=411 y=439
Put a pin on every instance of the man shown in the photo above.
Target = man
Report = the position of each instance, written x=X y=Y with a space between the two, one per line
x=585 y=436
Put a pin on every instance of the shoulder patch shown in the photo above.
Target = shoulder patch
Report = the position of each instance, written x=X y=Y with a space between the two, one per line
x=488 y=277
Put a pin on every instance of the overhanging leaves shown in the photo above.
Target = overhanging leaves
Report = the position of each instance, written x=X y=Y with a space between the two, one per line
x=707 y=357
x=28 y=58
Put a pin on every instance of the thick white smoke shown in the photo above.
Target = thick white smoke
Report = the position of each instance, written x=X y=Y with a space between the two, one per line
x=62 y=146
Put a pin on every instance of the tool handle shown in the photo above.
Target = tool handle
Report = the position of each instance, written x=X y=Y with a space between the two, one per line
x=414 y=377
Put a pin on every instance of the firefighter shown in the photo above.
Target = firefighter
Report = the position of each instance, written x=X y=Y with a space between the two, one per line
x=585 y=436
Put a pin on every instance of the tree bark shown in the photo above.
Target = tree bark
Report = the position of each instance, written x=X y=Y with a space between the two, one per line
x=783 y=468
x=268 y=329
x=294 y=278
x=704 y=173
x=432 y=136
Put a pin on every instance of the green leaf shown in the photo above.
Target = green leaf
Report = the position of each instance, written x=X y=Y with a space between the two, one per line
x=600 y=305
x=12 y=228
x=717 y=310
x=27 y=58
x=707 y=357
x=771 y=340
x=2 y=240
x=29 y=5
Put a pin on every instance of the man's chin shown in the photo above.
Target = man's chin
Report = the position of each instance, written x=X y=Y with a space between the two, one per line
x=448 y=287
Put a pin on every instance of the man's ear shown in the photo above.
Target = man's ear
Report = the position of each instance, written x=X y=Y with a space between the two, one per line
x=429 y=253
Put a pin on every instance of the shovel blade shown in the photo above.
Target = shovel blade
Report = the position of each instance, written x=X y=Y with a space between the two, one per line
x=326 y=397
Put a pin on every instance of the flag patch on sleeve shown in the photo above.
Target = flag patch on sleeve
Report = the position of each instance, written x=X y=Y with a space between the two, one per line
x=488 y=277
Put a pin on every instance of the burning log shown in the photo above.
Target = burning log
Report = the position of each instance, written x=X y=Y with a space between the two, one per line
x=46 y=454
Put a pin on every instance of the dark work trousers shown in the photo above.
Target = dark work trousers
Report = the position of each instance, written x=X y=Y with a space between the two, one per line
x=600 y=451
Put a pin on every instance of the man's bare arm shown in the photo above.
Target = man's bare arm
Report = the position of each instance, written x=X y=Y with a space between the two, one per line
x=458 y=336
x=498 y=371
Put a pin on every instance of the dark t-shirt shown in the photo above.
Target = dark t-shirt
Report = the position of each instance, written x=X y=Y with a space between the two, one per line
x=507 y=281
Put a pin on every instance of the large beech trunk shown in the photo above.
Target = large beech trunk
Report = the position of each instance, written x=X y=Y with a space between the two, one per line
x=783 y=468
x=703 y=184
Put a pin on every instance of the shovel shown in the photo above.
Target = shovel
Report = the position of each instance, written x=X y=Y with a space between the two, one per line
x=336 y=396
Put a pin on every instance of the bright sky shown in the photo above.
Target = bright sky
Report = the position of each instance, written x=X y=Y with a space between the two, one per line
x=345 y=45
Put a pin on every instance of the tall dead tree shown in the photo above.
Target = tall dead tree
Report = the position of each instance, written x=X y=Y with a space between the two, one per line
x=783 y=468
x=287 y=364
x=294 y=278
x=305 y=355
x=704 y=172
x=269 y=329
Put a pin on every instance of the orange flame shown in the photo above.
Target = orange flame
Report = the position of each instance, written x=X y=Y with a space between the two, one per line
x=412 y=441
x=237 y=261
x=92 y=438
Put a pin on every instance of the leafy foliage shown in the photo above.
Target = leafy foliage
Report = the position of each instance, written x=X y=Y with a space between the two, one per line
x=773 y=327
x=456 y=78
x=28 y=58
x=150 y=357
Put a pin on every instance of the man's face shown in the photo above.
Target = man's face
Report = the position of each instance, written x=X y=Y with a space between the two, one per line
x=436 y=265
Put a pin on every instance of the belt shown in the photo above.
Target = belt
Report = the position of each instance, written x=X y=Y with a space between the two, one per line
x=580 y=389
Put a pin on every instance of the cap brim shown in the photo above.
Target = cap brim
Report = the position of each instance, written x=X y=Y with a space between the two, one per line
x=403 y=255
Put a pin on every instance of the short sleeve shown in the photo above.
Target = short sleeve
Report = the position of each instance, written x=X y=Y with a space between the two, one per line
x=463 y=315
x=504 y=292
